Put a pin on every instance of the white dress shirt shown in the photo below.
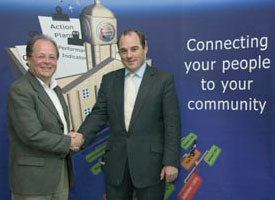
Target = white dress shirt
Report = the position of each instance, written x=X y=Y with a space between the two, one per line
x=137 y=78
x=54 y=98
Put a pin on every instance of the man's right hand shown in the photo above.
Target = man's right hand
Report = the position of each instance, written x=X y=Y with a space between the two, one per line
x=77 y=140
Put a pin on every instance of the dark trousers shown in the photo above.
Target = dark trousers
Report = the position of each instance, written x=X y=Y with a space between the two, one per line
x=125 y=190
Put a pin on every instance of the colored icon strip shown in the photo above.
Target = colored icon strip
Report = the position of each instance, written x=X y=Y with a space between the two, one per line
x=189 y=160
x=96 y=169
x=169 y=190
x=195 y=167
x=96 y=153
x=212 y=155
x=190 y=188
x=188 y=141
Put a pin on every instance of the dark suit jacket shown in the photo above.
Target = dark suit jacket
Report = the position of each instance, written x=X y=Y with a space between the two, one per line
x=37 y=144
x=153 y=138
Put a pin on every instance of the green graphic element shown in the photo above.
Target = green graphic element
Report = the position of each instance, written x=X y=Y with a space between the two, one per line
x=212 y=155
x=96 y=169
x=95 y=154
x=134 y=196
x=188 y=141
x=169 y=190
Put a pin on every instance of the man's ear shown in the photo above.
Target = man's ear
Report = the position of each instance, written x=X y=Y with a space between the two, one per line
x=145 y=49
x=28 y=62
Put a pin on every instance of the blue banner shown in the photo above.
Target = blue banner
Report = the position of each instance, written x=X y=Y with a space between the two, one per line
x=221 y=54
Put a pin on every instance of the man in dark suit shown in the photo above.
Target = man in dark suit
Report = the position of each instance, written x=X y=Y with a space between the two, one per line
x=40 y=163
x=140 y=105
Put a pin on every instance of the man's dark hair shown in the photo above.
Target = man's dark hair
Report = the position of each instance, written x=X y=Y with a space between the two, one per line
x=29 y=48
x=141 y=36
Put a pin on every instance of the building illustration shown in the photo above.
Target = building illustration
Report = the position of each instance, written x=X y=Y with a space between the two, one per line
x=99 y=33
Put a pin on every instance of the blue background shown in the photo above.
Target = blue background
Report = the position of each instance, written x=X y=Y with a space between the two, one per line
x=246 y=166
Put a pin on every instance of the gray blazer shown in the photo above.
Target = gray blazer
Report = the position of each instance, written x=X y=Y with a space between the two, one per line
x=37 y=144
x=153 y=138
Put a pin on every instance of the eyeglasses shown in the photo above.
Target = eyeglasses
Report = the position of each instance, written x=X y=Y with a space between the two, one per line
x=43 y=57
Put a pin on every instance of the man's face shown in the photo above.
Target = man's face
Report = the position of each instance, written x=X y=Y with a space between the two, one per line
x=131 y=52
x=43 y=60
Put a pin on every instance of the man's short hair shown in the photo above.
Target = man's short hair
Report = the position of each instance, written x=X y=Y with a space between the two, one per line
x=141 y=36
x=29 y=48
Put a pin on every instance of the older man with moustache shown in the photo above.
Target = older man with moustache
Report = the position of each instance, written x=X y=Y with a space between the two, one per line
x=40 y=162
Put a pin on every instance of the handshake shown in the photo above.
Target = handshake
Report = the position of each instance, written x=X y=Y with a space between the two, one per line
x=77 y=140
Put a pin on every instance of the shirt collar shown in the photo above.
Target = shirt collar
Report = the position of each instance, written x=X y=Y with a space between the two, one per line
x=140 y=71
x=53 y=83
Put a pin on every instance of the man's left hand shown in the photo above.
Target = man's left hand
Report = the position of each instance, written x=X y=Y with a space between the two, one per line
x=169 y=172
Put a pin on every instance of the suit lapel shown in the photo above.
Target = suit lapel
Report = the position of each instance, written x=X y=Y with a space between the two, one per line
x=42 y=95
x=143 y=92
x=59 y=94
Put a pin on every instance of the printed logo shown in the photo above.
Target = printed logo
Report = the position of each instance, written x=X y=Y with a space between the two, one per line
x=105 y=31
